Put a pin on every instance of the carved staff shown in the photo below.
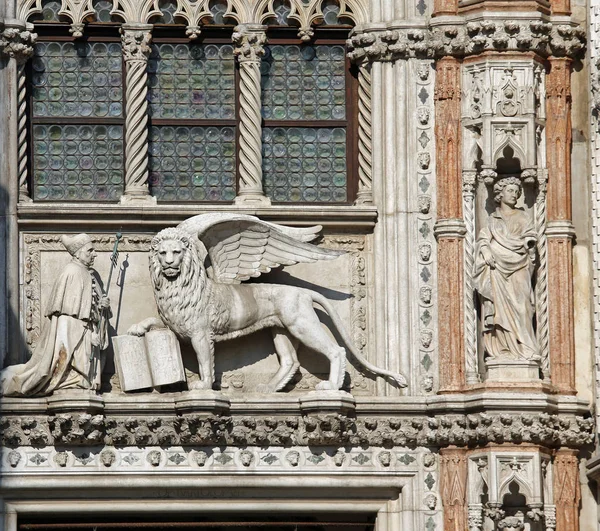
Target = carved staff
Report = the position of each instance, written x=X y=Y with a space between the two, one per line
x=113 y=263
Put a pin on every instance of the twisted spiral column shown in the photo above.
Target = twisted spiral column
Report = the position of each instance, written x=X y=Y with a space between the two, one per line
x=249 y=40
x=22 y=132
x=541 y=286
x=365 y=129
x=471 y=365
x=136 y=49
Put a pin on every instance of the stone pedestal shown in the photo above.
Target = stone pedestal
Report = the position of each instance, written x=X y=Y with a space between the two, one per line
x=205 y=401
x=328 y=402
x=75 y=400
x=512 y=370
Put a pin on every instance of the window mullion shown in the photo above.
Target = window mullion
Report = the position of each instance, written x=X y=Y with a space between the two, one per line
x=249 y=40
x=136 y=40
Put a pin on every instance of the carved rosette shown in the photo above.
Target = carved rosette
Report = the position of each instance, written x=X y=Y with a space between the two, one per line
x=136 y=50
x=249 y=40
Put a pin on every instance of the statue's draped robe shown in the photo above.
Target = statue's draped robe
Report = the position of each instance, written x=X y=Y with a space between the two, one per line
x=64 y=357
x=506 y=290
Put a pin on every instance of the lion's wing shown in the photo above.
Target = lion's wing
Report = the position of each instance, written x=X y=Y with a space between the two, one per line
x=241 y=247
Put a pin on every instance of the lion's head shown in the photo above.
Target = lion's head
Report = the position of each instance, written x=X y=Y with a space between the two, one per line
x=172 y=255
x=170 y=251
x=177 y=274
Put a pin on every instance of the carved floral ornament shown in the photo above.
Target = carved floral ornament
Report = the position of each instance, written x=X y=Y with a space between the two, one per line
x=544 y=37
x=82 y=429
x=303 y=13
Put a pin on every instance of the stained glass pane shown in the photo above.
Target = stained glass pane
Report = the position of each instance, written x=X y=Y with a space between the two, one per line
x=102 y=9
x=77 y=79
x=304 y=82
x=192 y=81
x=50 y=9
x=192 y=163
x=77 y=162
x=168 y=8
x=303 y=164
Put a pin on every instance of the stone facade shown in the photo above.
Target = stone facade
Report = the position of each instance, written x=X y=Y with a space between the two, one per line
x=471 y=129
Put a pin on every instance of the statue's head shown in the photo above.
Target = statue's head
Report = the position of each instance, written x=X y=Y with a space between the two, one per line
x=80 y=247
x=508 y=190
x=170 y=248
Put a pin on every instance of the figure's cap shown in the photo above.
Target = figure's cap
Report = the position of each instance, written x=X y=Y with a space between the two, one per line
x=75 y=242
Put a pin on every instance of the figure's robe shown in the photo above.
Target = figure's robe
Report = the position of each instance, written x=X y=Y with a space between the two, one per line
x=506 y=289
x=65 y=356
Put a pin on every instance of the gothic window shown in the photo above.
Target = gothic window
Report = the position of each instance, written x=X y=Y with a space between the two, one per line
x=77 y=120
x=77 y=103
x=193 y=121
x=305 y=134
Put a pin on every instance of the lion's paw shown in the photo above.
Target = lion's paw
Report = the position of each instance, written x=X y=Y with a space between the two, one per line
x=326 y=385
x=136 y=330
x=200 y=385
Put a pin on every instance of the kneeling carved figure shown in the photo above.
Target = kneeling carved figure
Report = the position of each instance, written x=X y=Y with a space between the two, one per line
x=197 y=269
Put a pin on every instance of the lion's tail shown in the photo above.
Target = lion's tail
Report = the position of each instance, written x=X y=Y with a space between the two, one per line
x=322 y=301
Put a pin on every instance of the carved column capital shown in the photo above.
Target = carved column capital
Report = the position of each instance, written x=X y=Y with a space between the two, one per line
x=17 y=42
x=136 y=39
x=249 y=41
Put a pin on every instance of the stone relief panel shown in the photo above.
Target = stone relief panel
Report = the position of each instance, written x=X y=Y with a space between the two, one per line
x=132 y=297
x=424 y=248
x=503 y=111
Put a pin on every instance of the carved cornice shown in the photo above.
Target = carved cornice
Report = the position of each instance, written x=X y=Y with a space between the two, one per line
x=17 y=43
x=460 y=38
x=83 y=429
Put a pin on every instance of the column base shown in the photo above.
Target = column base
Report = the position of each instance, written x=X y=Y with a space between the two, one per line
x=512 y=370
x=252 y=200
x=137 y=199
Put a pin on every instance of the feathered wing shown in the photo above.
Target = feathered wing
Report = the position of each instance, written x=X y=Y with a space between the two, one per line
x=241 y=246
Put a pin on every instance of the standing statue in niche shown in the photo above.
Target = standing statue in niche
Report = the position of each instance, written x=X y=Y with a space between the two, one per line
x=196 y=271
x=73 y=333
x=504 y=265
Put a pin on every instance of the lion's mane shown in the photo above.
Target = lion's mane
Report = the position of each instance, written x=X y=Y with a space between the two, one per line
x=179 y=299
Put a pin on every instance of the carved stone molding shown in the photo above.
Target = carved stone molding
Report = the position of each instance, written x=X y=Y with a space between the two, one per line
x=207 y=459
x=461 y=38
x=84 y=429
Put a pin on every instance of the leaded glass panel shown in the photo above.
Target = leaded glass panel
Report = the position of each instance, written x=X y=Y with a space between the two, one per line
x=77 y=79
x=192 y=163
x=77 y=162
x=304 y=164
x=305 y=82
x=193 y=81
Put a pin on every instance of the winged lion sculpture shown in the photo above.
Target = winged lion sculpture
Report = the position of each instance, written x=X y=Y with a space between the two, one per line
x=197 y=270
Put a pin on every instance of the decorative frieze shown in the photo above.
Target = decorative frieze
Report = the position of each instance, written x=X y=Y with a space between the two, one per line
x=463 y=38
x=479 y=429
